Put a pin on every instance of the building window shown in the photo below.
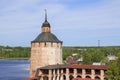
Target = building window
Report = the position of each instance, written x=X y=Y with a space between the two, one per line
x=55 y=71
x=97 y=72
x=71 y=70
x=52 y=71
x=64 y=70
x=79 y=71
x=88 y=71
x=45 y=44
x=45 y=71
x=59 y=70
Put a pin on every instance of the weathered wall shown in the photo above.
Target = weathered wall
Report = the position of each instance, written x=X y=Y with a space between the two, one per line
x=43 y=54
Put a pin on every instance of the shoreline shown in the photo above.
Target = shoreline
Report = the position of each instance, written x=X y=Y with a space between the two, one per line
x=14 y=58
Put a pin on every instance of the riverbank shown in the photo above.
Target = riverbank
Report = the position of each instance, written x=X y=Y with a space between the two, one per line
x=14 y=58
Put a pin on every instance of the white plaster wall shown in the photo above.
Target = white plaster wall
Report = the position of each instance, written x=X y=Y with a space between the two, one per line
x=42 y=55
x=51 y=55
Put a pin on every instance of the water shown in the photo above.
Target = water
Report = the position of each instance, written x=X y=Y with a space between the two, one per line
x=14 y=69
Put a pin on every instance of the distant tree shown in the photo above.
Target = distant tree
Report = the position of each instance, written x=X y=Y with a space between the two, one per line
x=97 y=57
x=113 y=73
x=87 y=58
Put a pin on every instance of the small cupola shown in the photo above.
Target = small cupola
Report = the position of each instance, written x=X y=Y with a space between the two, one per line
x=46 y=25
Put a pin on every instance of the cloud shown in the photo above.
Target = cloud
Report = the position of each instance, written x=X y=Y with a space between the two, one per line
x=105 y=15
x=26 y=17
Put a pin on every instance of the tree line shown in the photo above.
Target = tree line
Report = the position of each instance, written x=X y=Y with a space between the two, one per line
x=89 y=54
x=14 y=52
x=98 y=54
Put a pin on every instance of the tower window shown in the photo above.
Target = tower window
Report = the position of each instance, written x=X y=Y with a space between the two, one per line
x=45 y=44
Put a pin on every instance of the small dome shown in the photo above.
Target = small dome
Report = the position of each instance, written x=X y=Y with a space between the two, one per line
x=46 y=24
x=46 y=37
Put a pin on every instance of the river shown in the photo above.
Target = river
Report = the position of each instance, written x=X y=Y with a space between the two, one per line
x=14 y=69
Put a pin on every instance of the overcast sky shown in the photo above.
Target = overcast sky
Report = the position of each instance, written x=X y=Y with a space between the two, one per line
x=75 y=22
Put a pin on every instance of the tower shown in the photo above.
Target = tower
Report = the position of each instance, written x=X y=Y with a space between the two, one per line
x=46 y=49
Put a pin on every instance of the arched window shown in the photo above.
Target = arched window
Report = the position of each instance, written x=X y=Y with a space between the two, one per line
x=79 y=76
x=52 y=78
x=56 y=78
x=97 y=78
x=45 y=78
x=64 y=77
x=88 y=77
x=60 y=77
x=71 y=77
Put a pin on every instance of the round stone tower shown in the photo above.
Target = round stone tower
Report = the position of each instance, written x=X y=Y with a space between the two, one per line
x=46 y=49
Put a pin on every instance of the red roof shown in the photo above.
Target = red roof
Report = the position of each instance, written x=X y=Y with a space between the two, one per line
x=104 y=67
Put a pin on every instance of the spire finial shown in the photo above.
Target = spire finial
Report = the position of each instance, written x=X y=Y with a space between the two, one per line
x=45 y=14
